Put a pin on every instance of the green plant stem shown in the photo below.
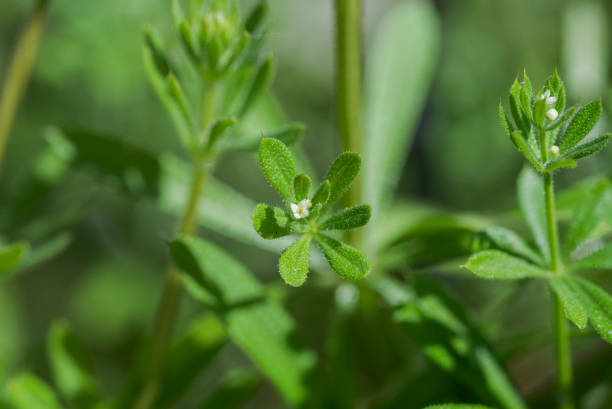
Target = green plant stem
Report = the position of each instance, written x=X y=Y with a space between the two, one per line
x=348 y=90
x=562 y=337
x=19 y=71
x=169 y=306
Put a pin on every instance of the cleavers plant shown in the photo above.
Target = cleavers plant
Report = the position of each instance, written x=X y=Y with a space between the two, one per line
x=306 y=214
x=551 y=137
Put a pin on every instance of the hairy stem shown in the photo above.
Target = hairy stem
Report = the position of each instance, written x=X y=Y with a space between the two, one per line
x=348 y=90
x=562 y=338
x=19 y=71
x=169 y=306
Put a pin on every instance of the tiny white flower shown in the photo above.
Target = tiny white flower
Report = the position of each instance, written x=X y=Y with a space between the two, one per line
x=549 y=100
x=552 y=114
x=300 y=210
x=554 y=150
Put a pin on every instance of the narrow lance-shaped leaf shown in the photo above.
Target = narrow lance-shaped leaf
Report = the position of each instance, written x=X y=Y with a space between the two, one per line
x=509 y=241
x=515 y=108
x=263 y=78
x=570 y=299
x=586 y=217
x=321 y=196
x=71 y=366
x=599 y=259
x=581 y=124
x=350 y=218
x=293 y=263
x=341 y=175
x=598 y=305
x=278 y=167
x=343 y=259
x=301 y=186
x=497 y=265
x=218 y=129
x=497 y=380
x=505 y=122
x=589 y=148
x=524 y=148
x=531 y=200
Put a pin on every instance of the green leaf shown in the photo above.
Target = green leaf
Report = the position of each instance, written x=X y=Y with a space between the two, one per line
x=261 y=81
x=570 y=299
x=510 y=242
x=598 y=305
x=321 y=196
x=153 y=43
x=278 y=167
x=505 y=122
x=497 y=265
x=260 y=327
x=581 y=124
x=531 y=200
x=179 y=97
x=497 y=380
x=256 y=17
x=586 y=217
x=189 y=356
x=589 y=148
x=559 y=163
x=10 y=256
x=301 y=186
x=27 y=391
x=341 y=175
x=344 y=259
x=526 y=150
x=350 y=218
x=271 y=222
x=600 y=259
x=71 y=366
x=561 y=120
x=515 y=108
x=233 y=391
x=458 y=406
x=217 y=129
x=398 y=77
x=539 y=112
x=293 y=263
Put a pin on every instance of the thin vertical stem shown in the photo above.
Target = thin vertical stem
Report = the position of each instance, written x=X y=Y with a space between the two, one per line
x=19 y=71
x=169 y=306
x=348 y=89
x=562 y=338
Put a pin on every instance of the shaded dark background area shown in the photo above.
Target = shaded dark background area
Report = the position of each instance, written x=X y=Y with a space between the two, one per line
x=89 y=75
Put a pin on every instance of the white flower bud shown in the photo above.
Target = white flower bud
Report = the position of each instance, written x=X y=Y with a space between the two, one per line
x=552 y=114
x=549 y=100
x=300 y=210
x=554 y=151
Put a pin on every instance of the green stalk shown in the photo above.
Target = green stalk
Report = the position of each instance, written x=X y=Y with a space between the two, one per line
x=348 y=90
x=169 y=306
x=562 y=338
x=19 y=71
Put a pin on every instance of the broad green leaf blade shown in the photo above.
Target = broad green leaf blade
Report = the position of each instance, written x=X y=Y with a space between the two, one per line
x=301 y=186
x=589 y=148
x=293 y=263
x=260 y=327
x=71 y=366
x=271 y=222
x=397 y=80
x=350 y=218
x=598 y=260
x=531 y=201
x=570 y=299
x=234 y=390
x=261 y=81
x=190 y=355
x=510 y=242
x=341 y=175
x=598 y=305
x=343 y=259
x=581 y=124
x=10 y=256
x=27 y=391
x=586 y=217
x=458 y=406
x=278 y=167
x=497 y=265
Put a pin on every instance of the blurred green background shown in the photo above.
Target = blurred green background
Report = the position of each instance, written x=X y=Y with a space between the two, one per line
x=89 y=75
